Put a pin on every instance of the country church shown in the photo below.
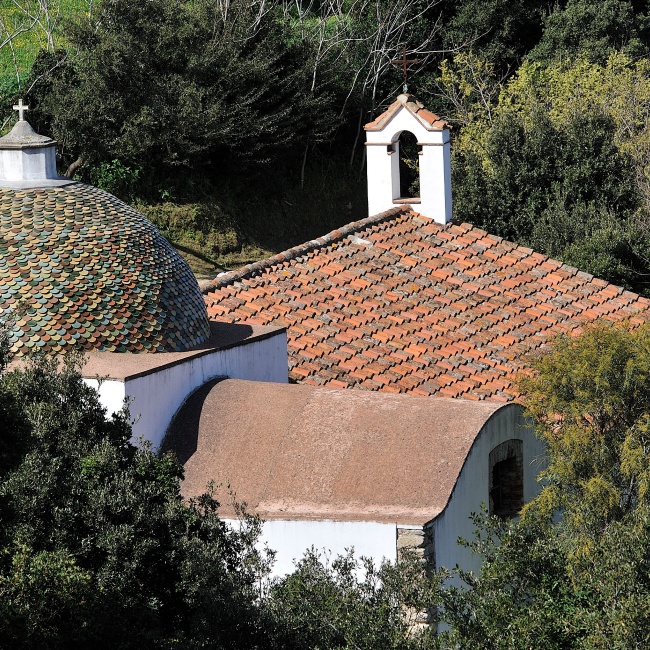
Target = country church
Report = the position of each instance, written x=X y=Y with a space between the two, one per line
x=355 y=391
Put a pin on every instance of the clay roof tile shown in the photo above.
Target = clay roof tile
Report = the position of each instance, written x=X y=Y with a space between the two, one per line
x=418 y=307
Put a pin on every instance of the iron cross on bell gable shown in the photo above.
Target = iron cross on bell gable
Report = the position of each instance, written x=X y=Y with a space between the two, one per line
x=404 y=62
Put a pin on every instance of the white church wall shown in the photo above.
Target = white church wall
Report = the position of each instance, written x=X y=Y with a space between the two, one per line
x=472 y=487
x=264 y=360
x=383 y=176
x=291 y=539
x=435 y=181
x=155 y=397
x=111 y=393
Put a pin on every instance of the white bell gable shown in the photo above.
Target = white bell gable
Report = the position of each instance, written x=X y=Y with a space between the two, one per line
x=382 y=153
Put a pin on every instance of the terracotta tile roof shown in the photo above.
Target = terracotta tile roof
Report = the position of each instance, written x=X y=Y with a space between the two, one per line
x=398 y=303
x=80 y=268
x=429 y=120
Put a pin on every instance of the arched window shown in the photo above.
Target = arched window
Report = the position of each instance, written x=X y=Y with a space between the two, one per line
x=507 y=479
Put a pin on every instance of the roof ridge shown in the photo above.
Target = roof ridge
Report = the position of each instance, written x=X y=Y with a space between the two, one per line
x=248 y=270
x=335 y=235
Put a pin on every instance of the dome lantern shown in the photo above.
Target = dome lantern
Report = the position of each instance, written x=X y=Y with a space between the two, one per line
x=27 y=159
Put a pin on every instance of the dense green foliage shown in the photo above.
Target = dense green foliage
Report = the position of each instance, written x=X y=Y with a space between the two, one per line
x=564 y=190
x=204 y=86
x=500 y=31
x=164 y=83
x=328 y=605
x=573 y=571
x=593 y=28
x=97 y=548
x=189 y=100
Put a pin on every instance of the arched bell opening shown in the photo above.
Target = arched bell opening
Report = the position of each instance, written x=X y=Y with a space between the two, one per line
x=409 y=167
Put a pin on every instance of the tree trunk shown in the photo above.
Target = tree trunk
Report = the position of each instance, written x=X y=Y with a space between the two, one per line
x=73 y=167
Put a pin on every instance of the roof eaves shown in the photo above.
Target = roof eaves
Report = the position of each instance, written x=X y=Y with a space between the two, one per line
x=381 y=120
x=431 y=121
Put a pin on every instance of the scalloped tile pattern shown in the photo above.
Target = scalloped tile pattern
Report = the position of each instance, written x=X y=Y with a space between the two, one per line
x=78 y=267
x=398 y=303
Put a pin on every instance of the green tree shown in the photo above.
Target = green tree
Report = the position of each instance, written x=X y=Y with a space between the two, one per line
x=522 y=597
x=168 y=83
x=590 y=399
x=499 y=31
x=573 y=571
x=347 y=604
x=594 y=29
x=97 y=547
x=565 y=191
x=188 y=83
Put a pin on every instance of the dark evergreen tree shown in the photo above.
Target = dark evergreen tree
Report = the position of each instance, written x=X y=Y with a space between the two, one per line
x=167 y=83
x=499 y=31
x=97 y=547
x=595 y=29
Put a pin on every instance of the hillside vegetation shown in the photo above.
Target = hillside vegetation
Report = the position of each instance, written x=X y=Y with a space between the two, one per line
x=237 y=125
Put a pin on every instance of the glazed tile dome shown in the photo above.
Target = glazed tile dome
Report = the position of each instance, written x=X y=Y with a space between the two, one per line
x=78 y=267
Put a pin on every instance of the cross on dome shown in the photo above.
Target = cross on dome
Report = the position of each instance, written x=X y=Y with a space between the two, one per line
x=21 y=108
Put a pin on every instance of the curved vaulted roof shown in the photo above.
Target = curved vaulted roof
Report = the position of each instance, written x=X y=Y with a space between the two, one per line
x=326 y=454
x=78 y=267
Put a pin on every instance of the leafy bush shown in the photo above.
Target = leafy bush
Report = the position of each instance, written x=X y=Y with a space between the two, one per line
x=97 y=547
x=117 y=178
x=345 y=603
x=572 y=572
